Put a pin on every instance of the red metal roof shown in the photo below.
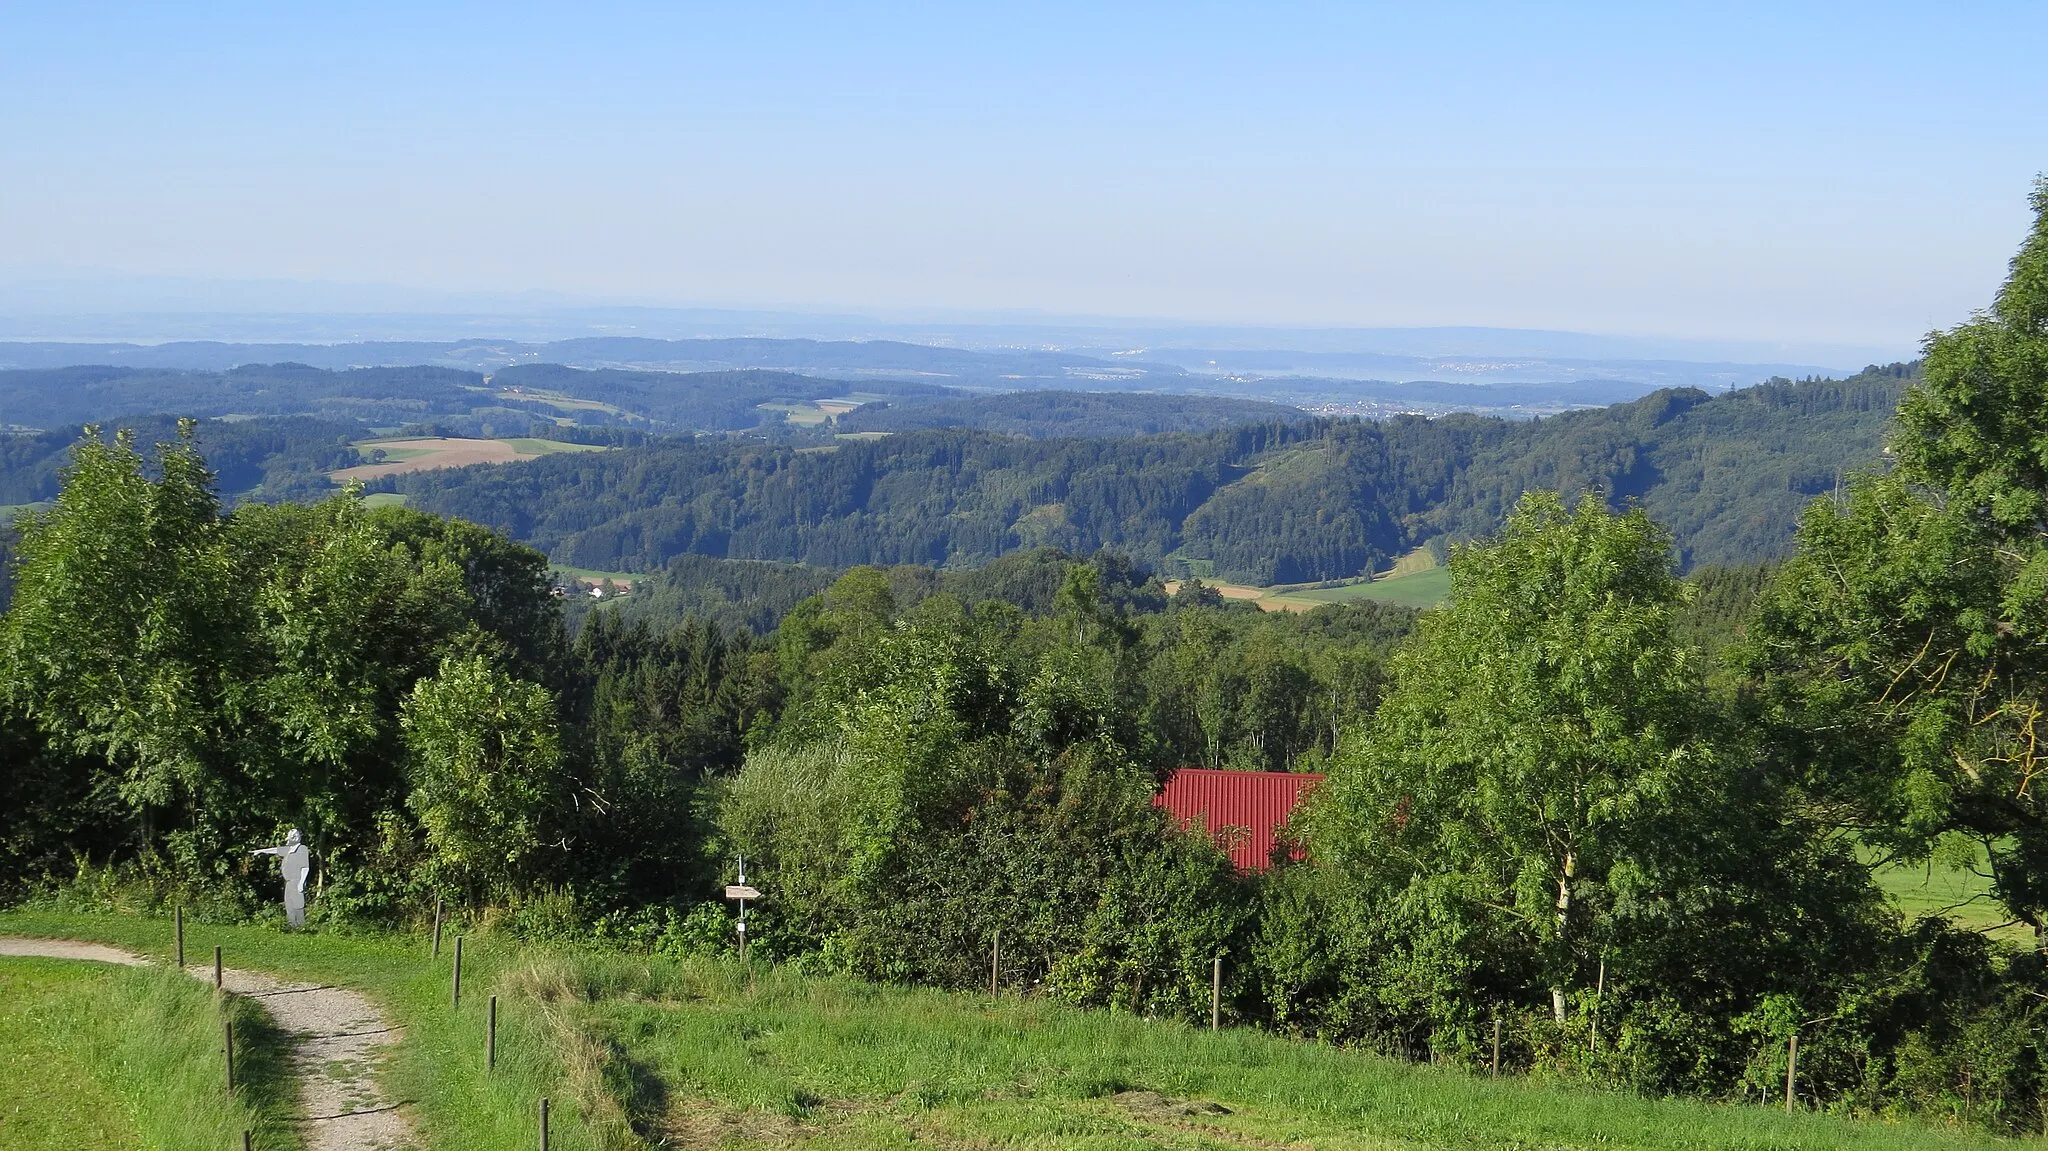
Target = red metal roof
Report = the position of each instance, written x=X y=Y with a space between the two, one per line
x=1242 y=809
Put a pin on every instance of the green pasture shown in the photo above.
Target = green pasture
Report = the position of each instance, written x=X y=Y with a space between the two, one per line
x=384 y=500
x=806 y=415
x=528 y=446
x=706 y=1056
x=560 y=402
x=95 y=1057
x=391 y=455
x=1956 y=885
x=593 y=574
x=641 y=1052
x=1424 y=589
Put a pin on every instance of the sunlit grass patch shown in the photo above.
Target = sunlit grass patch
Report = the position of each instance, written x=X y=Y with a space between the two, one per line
x=95 y=1056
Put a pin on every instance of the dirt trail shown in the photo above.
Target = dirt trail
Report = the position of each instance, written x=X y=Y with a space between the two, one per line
x=337 y=1039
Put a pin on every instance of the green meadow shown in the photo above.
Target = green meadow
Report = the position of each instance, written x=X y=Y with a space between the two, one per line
x=645 y=1052
x=98 y=1057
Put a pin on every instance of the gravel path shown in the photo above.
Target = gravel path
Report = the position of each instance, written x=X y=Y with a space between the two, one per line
x=337 y=1040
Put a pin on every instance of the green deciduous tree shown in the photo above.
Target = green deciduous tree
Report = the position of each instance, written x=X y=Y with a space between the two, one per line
x=486 y=762
x=1534 y=727
x=125 y=638
x=1904 y=649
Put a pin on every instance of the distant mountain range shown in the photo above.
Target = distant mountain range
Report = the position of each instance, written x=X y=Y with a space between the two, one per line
x=1331 y=382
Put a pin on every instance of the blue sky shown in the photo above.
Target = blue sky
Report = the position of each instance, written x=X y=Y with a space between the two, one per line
x=1852 y=173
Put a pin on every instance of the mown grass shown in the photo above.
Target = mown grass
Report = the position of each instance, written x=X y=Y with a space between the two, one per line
x=1427 y=588
x=528 y=446
x=438 y=1066
x=94 y=1056
x=1955 y=889
x=698 y=1054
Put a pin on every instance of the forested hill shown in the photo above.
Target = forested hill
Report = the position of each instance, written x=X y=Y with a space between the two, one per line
x=1263 y=503
x=512 y=399
x=1052 y=414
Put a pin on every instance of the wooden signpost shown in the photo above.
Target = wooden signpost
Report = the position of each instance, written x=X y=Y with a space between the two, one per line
x=742 y=893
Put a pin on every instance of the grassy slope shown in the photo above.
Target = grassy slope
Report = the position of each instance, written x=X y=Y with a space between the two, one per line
x=698 y=1055
x=1426 y=588
x=527 y=446
x=1960 y=892
x=703 y=1059
x=93 y=1056
x=439 y=1065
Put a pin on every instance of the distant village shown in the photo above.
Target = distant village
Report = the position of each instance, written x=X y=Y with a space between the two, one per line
x=597 y=589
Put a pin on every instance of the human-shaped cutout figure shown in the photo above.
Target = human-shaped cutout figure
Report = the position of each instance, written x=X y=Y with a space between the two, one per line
x=297 y=863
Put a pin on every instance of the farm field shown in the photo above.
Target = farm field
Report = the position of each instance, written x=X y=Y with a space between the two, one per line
x=646 y=1052
x=592 y=576
x=1423 y=589
x=1962 y=892
x=560 y=401
x=426 y=454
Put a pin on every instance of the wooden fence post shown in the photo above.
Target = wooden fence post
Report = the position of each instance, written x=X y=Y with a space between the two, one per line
x=543 y=1123
x=1496 y=1045
x=491 y=1042
x=1599 y=993
x=227 y=1034
x=219 y=983
x=995 y=961
x=456 y=999
x=1791 y=1070
x=438 y=904
x=180 y=913
x=1216 y=994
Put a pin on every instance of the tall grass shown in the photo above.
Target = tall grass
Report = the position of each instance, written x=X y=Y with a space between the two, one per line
x=437 y=1068
x=136 y=1053
x=699 y=1053
x=647 y=1052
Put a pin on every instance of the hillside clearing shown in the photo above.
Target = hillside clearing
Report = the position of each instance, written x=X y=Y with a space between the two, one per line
x=1426 y=588
x=430 y=453
x=717 y=1058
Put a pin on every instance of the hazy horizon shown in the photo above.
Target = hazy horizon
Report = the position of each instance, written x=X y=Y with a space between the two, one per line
x=1741 y=175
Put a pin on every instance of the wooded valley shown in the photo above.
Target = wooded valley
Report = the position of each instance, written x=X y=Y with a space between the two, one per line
x=1632 y=822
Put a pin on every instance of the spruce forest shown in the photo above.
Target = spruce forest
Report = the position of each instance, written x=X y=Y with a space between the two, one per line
x=1619 y=801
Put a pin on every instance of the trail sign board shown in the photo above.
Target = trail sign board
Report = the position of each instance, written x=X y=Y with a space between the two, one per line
x=741 y=891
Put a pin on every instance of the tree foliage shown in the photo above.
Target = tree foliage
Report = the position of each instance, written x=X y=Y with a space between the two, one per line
x=1905 y=646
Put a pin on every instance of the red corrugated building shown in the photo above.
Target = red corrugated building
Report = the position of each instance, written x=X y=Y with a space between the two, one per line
x=1243 y=809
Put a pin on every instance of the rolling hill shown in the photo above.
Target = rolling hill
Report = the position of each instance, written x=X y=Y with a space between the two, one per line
x=1274 y=502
